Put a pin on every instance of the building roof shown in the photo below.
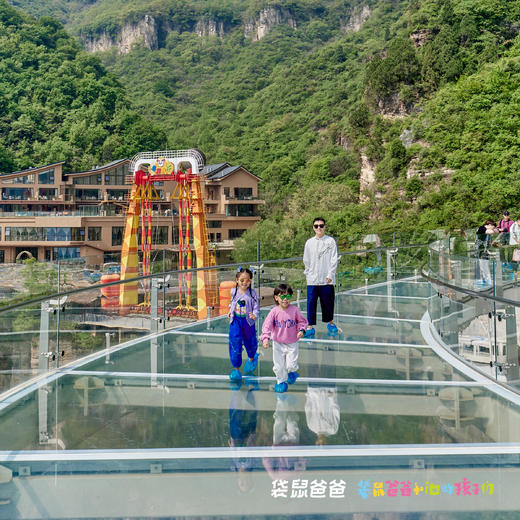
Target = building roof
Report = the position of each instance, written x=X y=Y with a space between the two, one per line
x=223 y=170
x=32 y=169
x=103 y=167
x=211 y=169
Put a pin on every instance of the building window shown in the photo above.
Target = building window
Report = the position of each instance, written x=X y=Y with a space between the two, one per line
x=47 y=193
x=240 y=210
x=236 y=233
x=66 y=253
x=37 y=234
x=226 y=193
x=116 y=194
x=94 y=234
x=117 y=235
x=160 y=235
x=93 y=180
x=17 y=193
x=116 y=176
x=25 y=179
x=82 y=194
x=244 y=193
x=46 y=177
x=212 y=224
x=77 y=234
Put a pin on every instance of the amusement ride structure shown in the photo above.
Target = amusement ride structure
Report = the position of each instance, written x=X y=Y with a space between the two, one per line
x=183 y=167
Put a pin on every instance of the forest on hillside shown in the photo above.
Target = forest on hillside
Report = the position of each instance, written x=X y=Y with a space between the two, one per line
x=421 y=99
x=58 y=103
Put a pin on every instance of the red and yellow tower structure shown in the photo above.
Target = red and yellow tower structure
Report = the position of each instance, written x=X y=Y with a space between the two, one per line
x=183 y=167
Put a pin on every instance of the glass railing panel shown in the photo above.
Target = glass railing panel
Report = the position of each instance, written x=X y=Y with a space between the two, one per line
x=31 y=417
x=19 y=345
x=478 y=329
x=360 y=269
x=94 y=320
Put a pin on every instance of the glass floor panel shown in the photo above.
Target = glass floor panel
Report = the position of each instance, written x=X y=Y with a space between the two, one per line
x=183 y=353
x=360 y=327
x=415 y=289
x=382 y=305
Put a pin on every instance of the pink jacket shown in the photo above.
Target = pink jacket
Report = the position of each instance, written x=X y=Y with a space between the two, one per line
x=283 y=326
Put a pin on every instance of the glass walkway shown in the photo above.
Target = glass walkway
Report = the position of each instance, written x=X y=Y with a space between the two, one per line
x=388 y=420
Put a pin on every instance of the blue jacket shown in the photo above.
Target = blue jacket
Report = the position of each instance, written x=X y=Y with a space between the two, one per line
x=252 y=304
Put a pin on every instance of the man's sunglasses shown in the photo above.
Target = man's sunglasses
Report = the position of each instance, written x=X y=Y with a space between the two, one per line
x=285 y=296
x=316 y=226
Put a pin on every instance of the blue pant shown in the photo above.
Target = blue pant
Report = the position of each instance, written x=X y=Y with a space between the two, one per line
x=326 y=295
x=241 y=333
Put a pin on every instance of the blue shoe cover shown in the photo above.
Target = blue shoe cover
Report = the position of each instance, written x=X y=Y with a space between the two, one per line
x=235 y=385
x=235 y=375
x=251 y=382
x=332 y=328
x=250 y=366
x=281 y=387
x=309 y=333
x=292 y=377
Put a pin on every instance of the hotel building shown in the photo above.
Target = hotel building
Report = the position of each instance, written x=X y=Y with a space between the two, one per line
x=51 y=215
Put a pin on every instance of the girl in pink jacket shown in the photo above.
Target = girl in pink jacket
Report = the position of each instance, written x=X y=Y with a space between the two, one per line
x=284 y=324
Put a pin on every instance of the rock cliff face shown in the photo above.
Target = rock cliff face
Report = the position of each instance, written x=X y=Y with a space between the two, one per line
x=145 y=31
x=209 y=28
x=148 y=29
x=359 y=16
x=267 y=19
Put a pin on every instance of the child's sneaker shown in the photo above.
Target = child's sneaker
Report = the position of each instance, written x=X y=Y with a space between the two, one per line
x=235 y=375
x=331 y=327
x=292 y=377
x=281 y=387
x=309 y=333
x=250 y=366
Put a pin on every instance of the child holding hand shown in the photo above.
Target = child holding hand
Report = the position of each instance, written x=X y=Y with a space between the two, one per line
x=284 y=324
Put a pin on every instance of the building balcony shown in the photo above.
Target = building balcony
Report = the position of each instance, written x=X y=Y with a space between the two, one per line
x=249 y=198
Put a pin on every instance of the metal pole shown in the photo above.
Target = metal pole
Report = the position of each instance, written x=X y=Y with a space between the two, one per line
x=58 y=322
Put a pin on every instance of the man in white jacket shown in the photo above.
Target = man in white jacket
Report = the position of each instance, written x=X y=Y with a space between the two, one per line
x=320 y=258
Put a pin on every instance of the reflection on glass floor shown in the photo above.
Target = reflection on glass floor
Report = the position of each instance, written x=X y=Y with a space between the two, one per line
x=376 y=413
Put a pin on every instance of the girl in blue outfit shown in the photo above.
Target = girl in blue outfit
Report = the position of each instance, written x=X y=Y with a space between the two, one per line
x=243 y=311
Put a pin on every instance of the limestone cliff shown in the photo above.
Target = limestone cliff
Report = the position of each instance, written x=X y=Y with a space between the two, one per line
x=144 y=31
x=148 y=29
x=268 y=18
x=358 y=17
x=210 y=28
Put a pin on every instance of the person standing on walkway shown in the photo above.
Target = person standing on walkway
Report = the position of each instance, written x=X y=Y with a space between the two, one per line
x=320 y=258
x=504 y=228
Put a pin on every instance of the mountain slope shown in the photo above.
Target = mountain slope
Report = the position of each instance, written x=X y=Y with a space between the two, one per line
x=59 y=103
x=365 y=113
